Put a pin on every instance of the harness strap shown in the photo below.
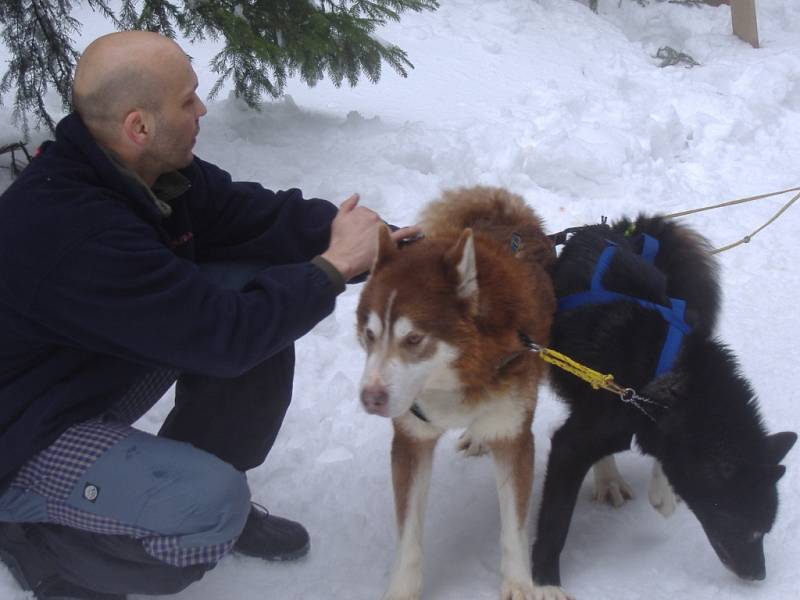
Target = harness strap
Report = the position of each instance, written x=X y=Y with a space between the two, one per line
x=649 y=248
x=417 y=412
x=672 y=314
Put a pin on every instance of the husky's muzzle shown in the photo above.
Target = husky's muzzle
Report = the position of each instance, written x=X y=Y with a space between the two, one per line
x=375 y=399
x=744 y=558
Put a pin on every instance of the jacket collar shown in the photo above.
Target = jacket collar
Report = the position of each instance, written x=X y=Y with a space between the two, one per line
x=73 y=133
x=165 y=189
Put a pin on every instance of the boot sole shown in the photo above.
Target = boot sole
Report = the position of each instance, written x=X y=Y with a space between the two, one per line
x=289 y=556
x=12 y=564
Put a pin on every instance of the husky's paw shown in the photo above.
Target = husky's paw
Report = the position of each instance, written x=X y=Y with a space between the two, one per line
x=612 y=490
x=609 y=486
x=401 y=595
x=662 y=497
x=517 y=590
x=469 y=446
x=550 y=592
x=405 y=585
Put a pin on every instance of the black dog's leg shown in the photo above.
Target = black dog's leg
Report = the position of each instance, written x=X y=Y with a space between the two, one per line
x=576 y=446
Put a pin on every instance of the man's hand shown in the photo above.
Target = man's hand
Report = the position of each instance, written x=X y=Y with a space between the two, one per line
x=353 y=241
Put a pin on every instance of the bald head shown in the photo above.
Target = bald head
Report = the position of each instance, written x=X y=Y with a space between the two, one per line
x=121 y=72
x=136 y=92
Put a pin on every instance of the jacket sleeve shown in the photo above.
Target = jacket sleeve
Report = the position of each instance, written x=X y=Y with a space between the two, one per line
x=243 y=220
x=123 y=293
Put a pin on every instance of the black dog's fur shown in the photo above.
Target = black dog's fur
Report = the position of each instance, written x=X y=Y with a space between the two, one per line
x=709 y=437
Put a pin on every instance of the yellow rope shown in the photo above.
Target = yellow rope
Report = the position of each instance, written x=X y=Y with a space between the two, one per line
x=592 y=377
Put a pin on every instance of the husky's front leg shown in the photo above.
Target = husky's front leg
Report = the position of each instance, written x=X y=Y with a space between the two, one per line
x=662 y=496
x=412 y=459
x=513 y=458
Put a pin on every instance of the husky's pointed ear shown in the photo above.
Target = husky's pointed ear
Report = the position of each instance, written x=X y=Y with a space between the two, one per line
x=461 y=257
x=386 y=247
x=779 y=444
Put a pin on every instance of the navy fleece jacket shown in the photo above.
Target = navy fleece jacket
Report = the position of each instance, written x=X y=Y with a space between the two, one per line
x=97 y=288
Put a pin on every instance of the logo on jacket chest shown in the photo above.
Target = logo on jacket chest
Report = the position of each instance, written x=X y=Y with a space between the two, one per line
x=182 y=239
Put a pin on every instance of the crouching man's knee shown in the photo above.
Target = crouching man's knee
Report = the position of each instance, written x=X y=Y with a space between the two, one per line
x=217 y=507
x=194 y=503
x=214 y=513
x=211 y=509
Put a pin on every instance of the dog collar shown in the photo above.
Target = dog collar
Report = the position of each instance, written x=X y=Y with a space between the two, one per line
x=417 y=412
x=507 y=360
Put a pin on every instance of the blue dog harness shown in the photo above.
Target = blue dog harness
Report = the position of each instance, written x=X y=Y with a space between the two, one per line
x=672 y=314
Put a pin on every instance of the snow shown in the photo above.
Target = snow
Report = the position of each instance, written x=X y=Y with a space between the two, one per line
x=569 y=109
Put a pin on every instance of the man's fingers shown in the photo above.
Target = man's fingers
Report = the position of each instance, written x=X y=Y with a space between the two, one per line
x=406 y=232
x=349 y=204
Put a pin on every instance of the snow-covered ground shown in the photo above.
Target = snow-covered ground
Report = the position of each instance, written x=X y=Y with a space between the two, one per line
x=571 y=110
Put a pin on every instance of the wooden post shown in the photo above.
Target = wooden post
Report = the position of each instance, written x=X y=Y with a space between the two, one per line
x=743 y=15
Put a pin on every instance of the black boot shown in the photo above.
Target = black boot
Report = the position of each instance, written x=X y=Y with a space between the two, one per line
x=33 y=573
x=272 y=538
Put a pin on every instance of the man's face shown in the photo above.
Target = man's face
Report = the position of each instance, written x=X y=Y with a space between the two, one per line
x=177 y=122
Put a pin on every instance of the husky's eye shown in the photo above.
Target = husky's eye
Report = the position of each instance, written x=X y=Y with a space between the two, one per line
x=369 y=335
x=413 y=339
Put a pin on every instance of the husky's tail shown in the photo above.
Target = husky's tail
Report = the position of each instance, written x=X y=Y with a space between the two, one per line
x=492 y=212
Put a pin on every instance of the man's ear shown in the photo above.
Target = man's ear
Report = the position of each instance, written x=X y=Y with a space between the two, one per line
x=461 y=257
x=136 y=127
x=387 y=248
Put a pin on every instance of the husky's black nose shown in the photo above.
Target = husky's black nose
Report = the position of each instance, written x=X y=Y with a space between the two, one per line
x=750 y=572
x=746 y=560
x=375 y=398
x=760 y=575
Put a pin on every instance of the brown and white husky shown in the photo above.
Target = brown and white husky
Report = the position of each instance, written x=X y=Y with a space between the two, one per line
x=440 y=321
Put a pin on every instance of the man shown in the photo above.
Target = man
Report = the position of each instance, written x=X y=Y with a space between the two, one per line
x=126 y=263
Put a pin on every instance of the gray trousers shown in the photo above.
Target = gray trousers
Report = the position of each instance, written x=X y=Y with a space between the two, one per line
x=118 y=510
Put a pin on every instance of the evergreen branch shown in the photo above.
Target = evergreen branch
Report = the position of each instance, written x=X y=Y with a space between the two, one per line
x=265 y=42
x=38 y=36
x=102 y=7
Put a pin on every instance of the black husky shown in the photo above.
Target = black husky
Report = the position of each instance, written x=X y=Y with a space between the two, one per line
x=639 y=300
